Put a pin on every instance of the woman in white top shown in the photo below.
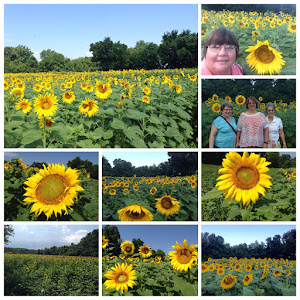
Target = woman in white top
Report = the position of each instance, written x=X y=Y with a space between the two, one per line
x=275 y=128
x=253 y=131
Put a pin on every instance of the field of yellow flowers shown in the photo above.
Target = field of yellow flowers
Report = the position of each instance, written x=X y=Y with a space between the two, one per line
x=128 y=109
x=50 y=275
x=249 y=277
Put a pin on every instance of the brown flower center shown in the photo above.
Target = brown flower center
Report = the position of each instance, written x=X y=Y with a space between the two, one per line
x=264 y=55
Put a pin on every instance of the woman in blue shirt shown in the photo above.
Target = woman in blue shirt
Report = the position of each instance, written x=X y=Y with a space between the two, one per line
x=223 y=129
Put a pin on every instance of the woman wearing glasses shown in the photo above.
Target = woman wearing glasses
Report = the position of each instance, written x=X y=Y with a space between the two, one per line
x=223 y=129
x=275 y=128
x=221 y=49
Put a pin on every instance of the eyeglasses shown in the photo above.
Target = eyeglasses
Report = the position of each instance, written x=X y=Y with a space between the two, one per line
x=217 y=48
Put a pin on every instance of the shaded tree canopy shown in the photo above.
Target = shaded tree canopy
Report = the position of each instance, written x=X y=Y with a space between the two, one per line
x=8 y=232
x=277 y=247
x=177 y=50
x=79 y=164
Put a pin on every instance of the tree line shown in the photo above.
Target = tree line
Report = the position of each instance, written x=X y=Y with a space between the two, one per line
x=277 y=161
x=88 y=246
x=177 y=50
x=268 y=89
x=178 y=164
x=277 y=247
x=114 y=242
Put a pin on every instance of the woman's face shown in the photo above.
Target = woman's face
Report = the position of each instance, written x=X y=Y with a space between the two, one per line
x=226 y=112
x=251 y=104
x=270 y=111
x=220 y=62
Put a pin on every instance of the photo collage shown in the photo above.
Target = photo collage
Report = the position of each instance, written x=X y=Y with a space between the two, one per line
x=112 y=92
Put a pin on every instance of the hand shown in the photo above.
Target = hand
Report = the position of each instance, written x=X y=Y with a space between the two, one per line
x=284 y=146
x=265 y=145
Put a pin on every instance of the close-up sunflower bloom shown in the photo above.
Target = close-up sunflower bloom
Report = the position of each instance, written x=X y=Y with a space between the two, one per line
x=135 y=213
x=89 y=107
x=264 y=59
x=244 y=177
x=127 y=248
x=102 y=91
x=228 y=282
x=45 y=106
x=120 y=277
x=183 y=257
x=247 y=279
x=68 y=97
x=52 y=190
x=25 y=105
x=167 y=205
x=145 y=251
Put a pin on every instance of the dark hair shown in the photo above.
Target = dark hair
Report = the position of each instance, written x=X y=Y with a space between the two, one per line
x=221 y=36
x=251 y=98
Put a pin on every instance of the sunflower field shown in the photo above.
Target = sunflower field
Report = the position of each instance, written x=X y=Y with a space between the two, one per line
x=108 y=109
x=50 y=275
x=277 y=204
x=144 y=275
x=267 y=41
x=62 y=194
x=248 y=277
x=211 y=109
x=157 y=198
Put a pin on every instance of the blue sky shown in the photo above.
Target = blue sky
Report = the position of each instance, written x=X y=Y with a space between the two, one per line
x=69 y=29
x=137 y=159
x=160 y=236
x=237 y=234
x=51 y=157
x=45 y=236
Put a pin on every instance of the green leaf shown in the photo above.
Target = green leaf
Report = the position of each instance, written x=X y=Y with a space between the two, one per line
x=288 y=292
x=118 y=124
x=247 y=292
x=135 y=114
x=108 y=135
x=145 y=292
x=30 y=137
x=13 y=124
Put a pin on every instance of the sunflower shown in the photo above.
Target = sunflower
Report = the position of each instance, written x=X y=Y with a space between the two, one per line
x=104 y=242
x=146 y=90
x=146 y=99
x=248 y=278
x=227 y=282
x=127 y=248
x=220 y=271
x=167 y=205
x=88 y=107
x=120 y=277
x=135 y=213
x=48 y=122
x=18 y=93
x=276 y=273
x=52 y=190
x=45 y=105
x=193 y=184
x=240 y=100
x=244 y=178
x=238 y=268
x=102 y=90
x=183 y=257
x=68 y=97
x=25 y=105
x=153 y=190
x=204 y=268
x=145 y=251
x=112 y=192
x=216 y=107
x=292 y=28
x=264 y=59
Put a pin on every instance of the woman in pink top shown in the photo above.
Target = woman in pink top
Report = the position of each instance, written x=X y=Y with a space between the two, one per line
x=221 y=49
x=253 y=128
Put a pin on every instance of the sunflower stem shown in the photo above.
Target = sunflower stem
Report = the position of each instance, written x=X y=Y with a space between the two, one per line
x=44 y=140
x=189 y=275
x=166 y=217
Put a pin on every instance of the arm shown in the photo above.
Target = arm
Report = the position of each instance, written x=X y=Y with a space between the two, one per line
x=213 y=132
x=237 y=141
x=266 y=137
x=281 y=134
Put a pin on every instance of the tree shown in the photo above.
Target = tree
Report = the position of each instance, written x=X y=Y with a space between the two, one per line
x=122 y=167
x=137 y=244
x=183 y=163
x=82 y=64
x=179 y=50
x=114 y=238
x=53 y=61
x=8 y=232
x=109 y=55
x=106 y=167
x=79 y=164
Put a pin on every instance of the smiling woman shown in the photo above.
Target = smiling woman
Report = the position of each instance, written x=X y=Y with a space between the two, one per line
x=221 y=49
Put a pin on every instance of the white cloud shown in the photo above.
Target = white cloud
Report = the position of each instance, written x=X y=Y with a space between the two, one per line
x=36 y=54
x=22 y=227
x=75 y=237
x=65 y=229
x=10 y=155
x=89 y=54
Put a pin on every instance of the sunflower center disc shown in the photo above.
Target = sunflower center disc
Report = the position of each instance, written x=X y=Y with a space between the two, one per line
x=264 y=55
x=228 y=280
x=67 y=95
x=184 y=256
x=145 y=251
x=135 y=215
x=45 y=105
x=128 y=249
x=246 y=178
x=122 y=278
x=50 y=189
x=166 y=203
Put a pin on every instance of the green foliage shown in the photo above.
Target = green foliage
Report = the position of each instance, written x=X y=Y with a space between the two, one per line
x=278 y=204
x=41 y=275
